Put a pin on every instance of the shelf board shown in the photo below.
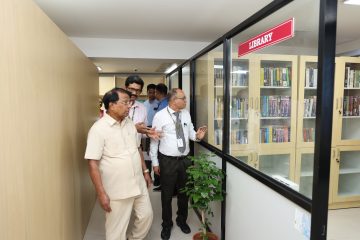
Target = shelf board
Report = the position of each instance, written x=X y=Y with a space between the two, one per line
x=348 y=117
x=310 y=88
x=307 y=174
x=309 y=117
x=350 y=171
x=357 y=88
x=274 y=87
x=241 y=118
x=349 y=193
x=218 y=86
x=274 y=118
x=218 y=119
x=239 y=87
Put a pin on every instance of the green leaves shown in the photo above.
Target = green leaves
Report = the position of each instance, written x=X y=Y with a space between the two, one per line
x=204 y=185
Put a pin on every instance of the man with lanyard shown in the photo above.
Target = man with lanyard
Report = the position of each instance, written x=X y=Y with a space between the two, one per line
x=137 y=113
x=169 y=157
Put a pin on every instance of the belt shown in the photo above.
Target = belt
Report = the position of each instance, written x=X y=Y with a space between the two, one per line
x=174 y=157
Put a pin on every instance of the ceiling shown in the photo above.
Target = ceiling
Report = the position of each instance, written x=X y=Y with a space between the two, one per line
x=164 y=20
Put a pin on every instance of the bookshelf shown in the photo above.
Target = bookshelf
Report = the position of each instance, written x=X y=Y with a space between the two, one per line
x=273 y=114
x=275 y=97
x=346 y=114
x=307 y=101
x=345 y=188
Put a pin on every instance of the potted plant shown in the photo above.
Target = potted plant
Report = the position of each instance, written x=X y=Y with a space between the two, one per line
x=204 y=185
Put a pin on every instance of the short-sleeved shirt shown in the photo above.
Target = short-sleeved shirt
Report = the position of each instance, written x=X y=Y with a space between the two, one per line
x=138 y=114
x=115 y=145
x=150 y=107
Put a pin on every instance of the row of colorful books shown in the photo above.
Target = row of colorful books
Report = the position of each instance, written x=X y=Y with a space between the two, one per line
x=240 y=107
x=219 y=107
x=309 y=134
x=310 y=106
x=275 y=106
x=239 y=136
x=311 y=75
x=270 y=76
x=351 y=106
x=274 y=134
x=352 y=78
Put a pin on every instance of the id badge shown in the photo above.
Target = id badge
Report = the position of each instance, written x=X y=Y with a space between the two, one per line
x=180 y=142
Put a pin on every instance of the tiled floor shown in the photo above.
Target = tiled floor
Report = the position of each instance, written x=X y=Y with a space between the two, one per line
x=96 y=229
x=343 y=224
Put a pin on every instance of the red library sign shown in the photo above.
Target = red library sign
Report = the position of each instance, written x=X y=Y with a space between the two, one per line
x=272 y=36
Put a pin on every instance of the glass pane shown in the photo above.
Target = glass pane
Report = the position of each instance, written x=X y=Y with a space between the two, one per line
x=309 y=116
x=209 y=94
x=306 y=175
x=174 y=80
x=351 y=102
x=186 y=83
x=346 y=127
x=273 y=165
x=273 y=95
x=349 y=174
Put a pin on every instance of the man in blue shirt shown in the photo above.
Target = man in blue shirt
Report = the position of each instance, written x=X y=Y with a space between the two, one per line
x=161 y=96
x=161 y=91
x=150 y=106
x=151 y=103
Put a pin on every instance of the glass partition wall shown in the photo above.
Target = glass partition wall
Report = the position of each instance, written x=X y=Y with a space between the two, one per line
x=209 y=94
x=268 y=100
x=273 y=98
x=174 y=80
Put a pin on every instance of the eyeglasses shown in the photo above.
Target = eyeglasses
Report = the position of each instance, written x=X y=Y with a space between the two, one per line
x=182 y=98
x=134 y=90
x=128 y=103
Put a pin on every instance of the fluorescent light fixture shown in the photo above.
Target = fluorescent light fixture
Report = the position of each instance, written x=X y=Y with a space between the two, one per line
x=171 y=68
x=352 y=2
x=240 y=71
x=99 y=68
x=218 y=66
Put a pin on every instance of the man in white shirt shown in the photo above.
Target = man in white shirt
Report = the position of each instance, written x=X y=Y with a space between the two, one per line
x=117 y=171
x=169 y=157
x=138 y=112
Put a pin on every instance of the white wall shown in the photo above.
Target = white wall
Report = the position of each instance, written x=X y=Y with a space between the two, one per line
x=256 y=212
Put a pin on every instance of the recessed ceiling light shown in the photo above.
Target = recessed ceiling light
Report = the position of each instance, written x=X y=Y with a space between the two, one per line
x=352 y=2
x=99 y=68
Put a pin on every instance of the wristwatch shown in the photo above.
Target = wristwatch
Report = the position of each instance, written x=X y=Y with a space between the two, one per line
x=146 y=171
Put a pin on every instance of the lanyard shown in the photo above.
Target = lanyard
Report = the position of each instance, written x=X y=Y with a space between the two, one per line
x=132 y=117
x=177 y=126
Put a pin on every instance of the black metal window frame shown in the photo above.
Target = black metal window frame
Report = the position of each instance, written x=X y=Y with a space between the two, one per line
x=318 y=206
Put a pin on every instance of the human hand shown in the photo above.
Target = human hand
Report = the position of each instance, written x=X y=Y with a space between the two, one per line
x=148 y=179
x=154 y=134
x=156 y=170
x=105 y=202
x=141 y=127
x=200 y=134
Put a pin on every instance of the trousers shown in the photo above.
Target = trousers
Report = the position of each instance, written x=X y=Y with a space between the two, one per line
x=173 y=177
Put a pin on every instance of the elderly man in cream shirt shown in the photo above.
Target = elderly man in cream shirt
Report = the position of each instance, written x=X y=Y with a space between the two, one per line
x=117 y=171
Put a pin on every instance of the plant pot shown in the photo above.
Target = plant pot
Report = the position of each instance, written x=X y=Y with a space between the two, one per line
x=210 y=235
